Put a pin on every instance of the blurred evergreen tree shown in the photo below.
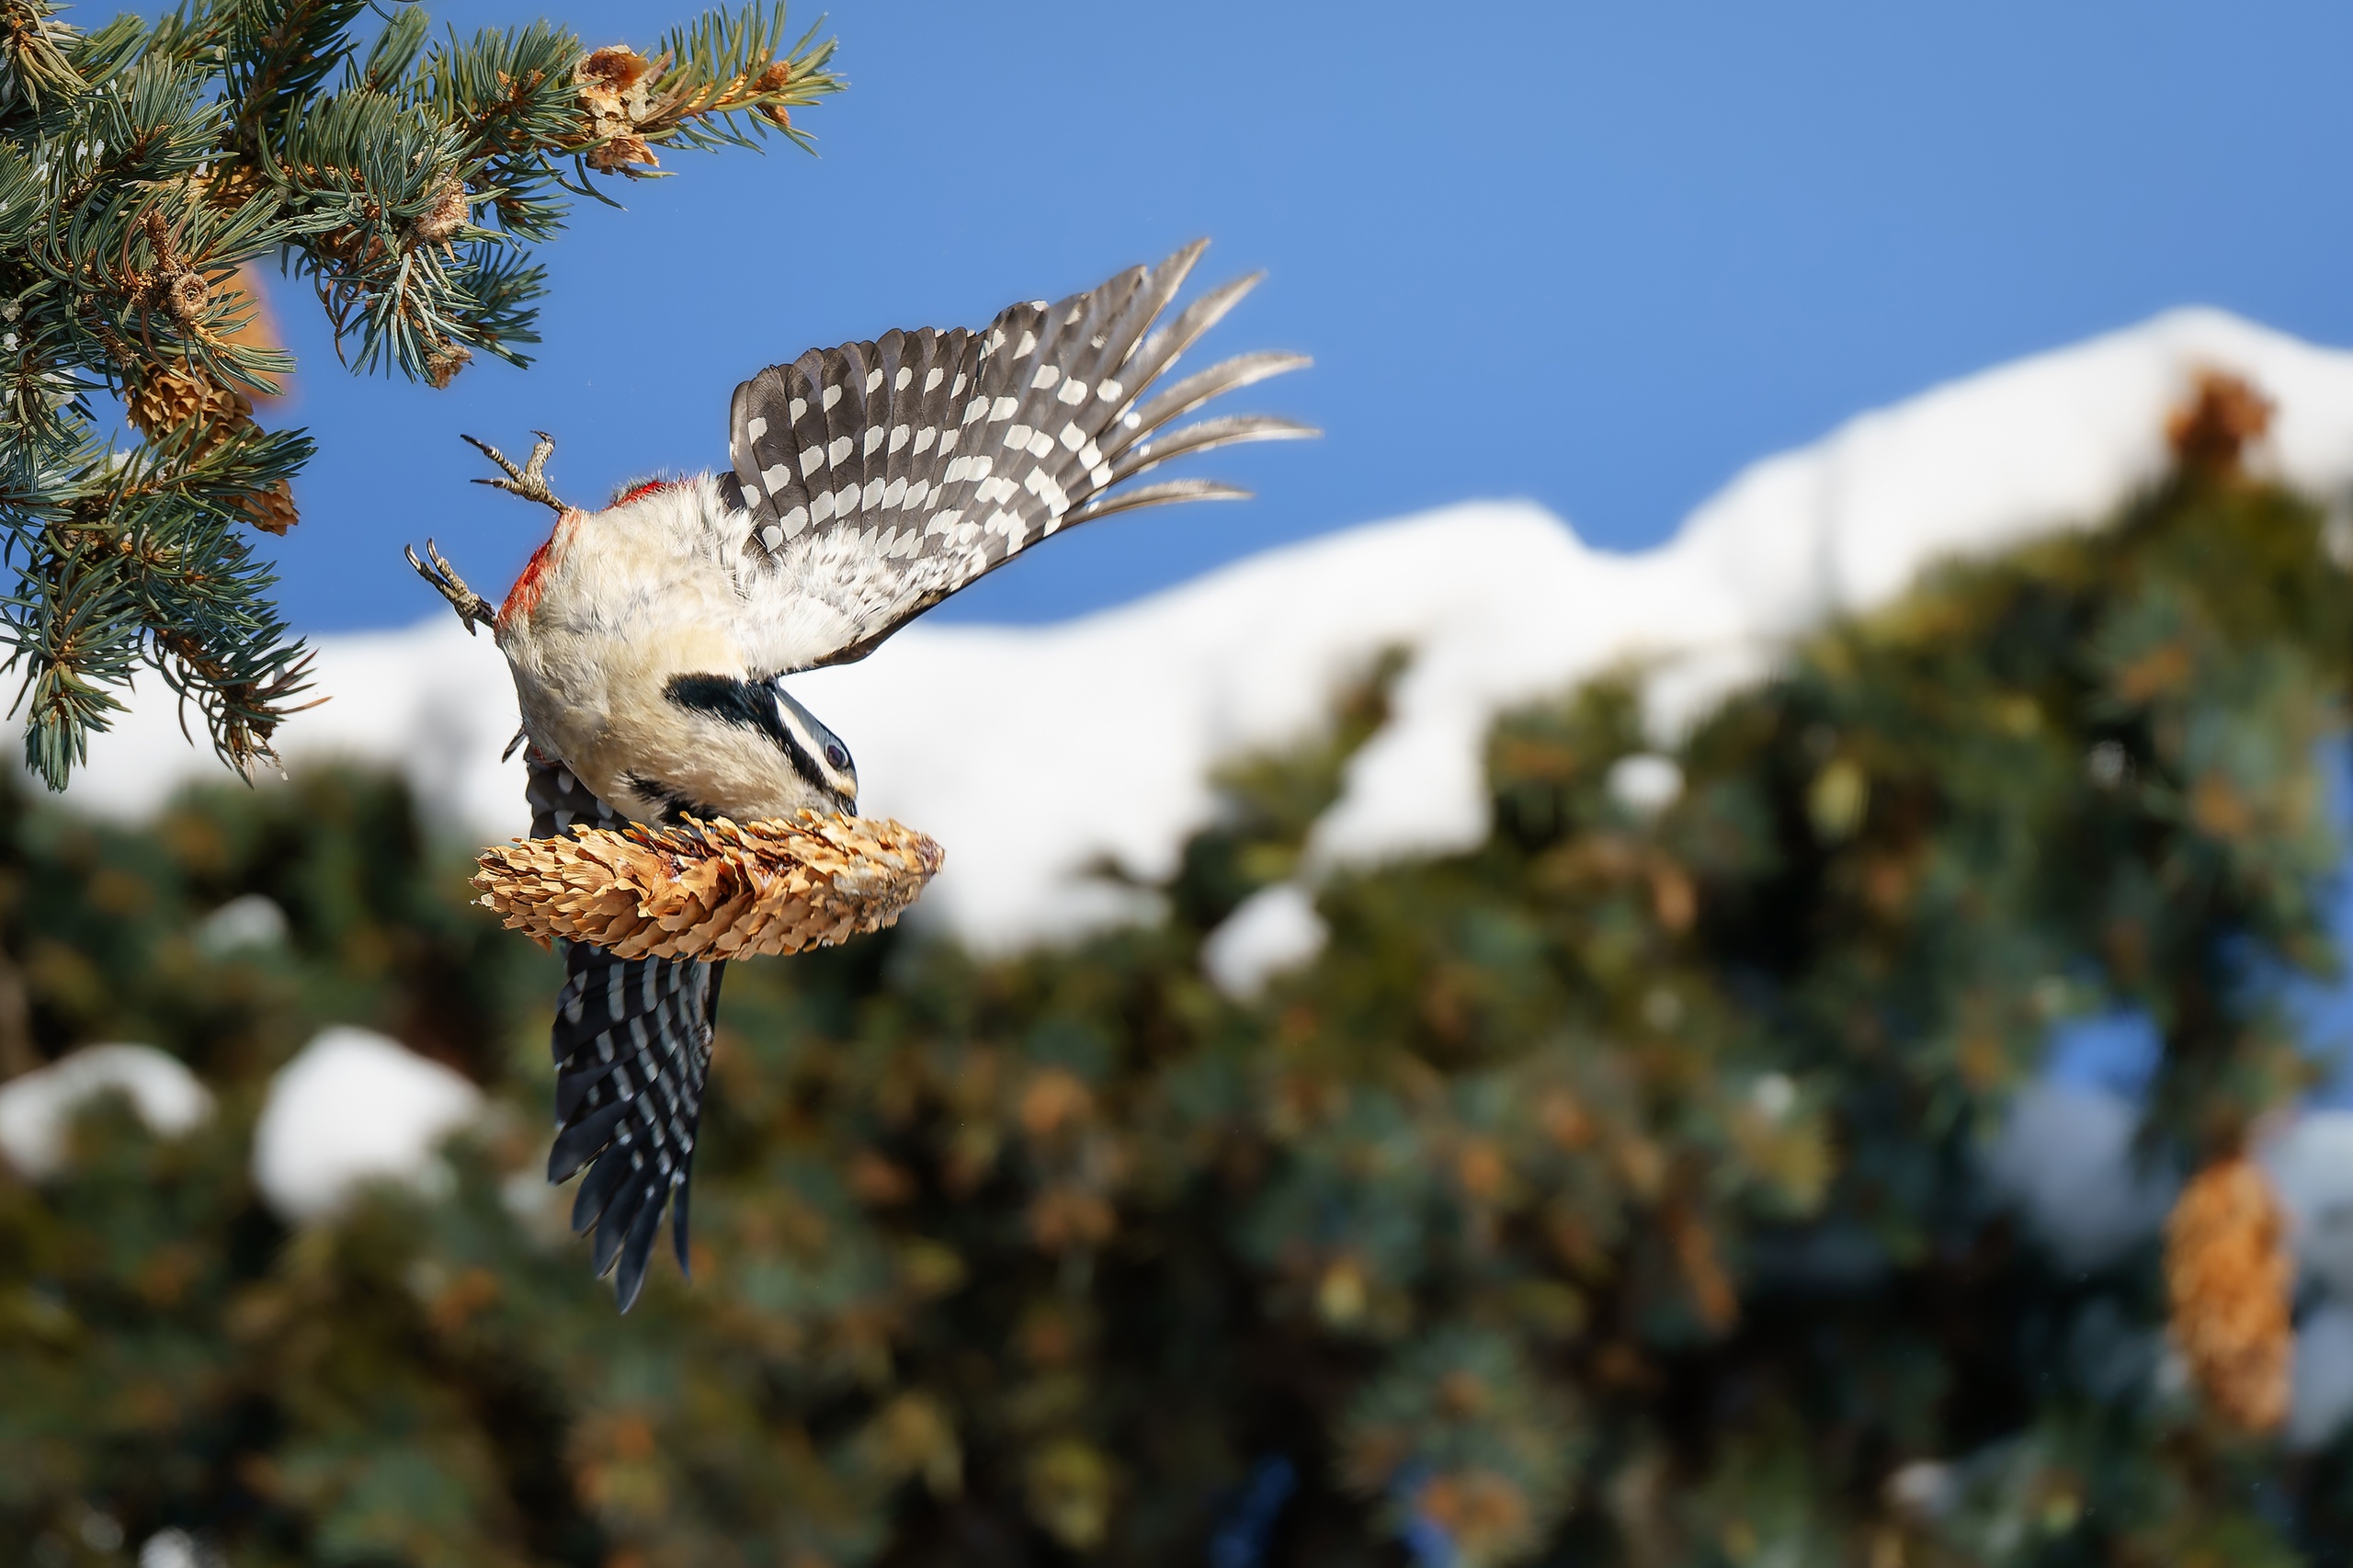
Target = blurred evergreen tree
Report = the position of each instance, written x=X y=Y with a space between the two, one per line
x=141 y=166
x=1612 y=1195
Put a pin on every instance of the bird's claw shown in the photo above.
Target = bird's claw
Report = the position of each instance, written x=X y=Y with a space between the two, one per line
x=472 y=608
x=530 y=481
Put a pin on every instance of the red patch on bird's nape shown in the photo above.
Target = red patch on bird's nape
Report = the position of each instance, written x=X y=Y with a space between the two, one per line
x=641 y=489
x=524 y=597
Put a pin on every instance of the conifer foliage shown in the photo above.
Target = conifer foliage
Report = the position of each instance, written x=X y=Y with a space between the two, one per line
x=403 y=179
x=1613 y=1195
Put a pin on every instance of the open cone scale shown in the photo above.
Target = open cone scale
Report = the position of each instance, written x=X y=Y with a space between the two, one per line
x=715 y=890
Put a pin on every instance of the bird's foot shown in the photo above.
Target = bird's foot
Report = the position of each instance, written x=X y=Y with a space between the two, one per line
x=530 y=481
x=472 y=607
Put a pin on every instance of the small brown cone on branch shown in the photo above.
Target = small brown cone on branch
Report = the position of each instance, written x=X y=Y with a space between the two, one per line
x=2228 y=1279
x=713 y=889
x=163 y=398
x=617 y=91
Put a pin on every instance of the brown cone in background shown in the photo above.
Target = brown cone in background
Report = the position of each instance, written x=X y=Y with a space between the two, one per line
x=2224 y=415
x=2228 y=1279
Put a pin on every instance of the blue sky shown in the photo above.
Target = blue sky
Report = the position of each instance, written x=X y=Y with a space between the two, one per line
x=1600 y=257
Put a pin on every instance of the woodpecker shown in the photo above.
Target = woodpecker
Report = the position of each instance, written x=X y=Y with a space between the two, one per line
x=650 y=641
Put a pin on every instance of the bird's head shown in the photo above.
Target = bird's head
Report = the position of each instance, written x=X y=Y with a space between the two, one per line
x=729 y=745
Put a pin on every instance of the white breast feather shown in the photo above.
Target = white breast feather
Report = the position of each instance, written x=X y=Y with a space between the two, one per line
x=675 y=565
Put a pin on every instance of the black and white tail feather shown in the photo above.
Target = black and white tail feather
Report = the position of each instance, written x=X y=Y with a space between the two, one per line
x=881 y=477
x=632 y=1051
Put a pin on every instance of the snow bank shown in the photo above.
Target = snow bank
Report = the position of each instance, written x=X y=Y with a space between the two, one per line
x=2310 y=1162
x=2322 y=1389
x=430 y=701
x=36 y=1109
x=1113 y=723
x=351 y=1107
x=2064 y=1157
x=1974 y=467
x=1276 y=929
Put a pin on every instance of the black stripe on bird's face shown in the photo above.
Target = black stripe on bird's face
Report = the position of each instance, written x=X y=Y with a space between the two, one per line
x=816 y=753
x=676 y=804
x=817 y=743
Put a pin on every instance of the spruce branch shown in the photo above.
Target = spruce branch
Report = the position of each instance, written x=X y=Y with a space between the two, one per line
x=78 y=642
x=394 y=51
x=734 y=79
x=95 y=57
x=281 y=54
x=143 y=169
x=723 y=80
x=33 y=45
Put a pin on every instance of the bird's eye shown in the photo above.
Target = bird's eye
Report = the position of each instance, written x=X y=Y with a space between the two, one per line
x=836 y=756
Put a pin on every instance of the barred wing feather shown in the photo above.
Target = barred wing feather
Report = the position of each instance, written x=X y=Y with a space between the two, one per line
x=633 y=1053
x=881 y=477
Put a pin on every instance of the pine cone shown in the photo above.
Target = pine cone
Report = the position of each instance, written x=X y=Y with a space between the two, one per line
x=444 y=360
x=2228 y=1277
x=451 y=210
x=710 y=889
x=616 y=89
x=164 y=400
x=272 y=510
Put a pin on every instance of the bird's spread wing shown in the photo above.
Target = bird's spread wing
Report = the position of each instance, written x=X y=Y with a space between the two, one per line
x=633 y=1051
x=884 y=476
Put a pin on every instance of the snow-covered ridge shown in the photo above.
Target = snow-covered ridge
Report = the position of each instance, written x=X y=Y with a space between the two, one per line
x=36 y=1108
x=1032 y=752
